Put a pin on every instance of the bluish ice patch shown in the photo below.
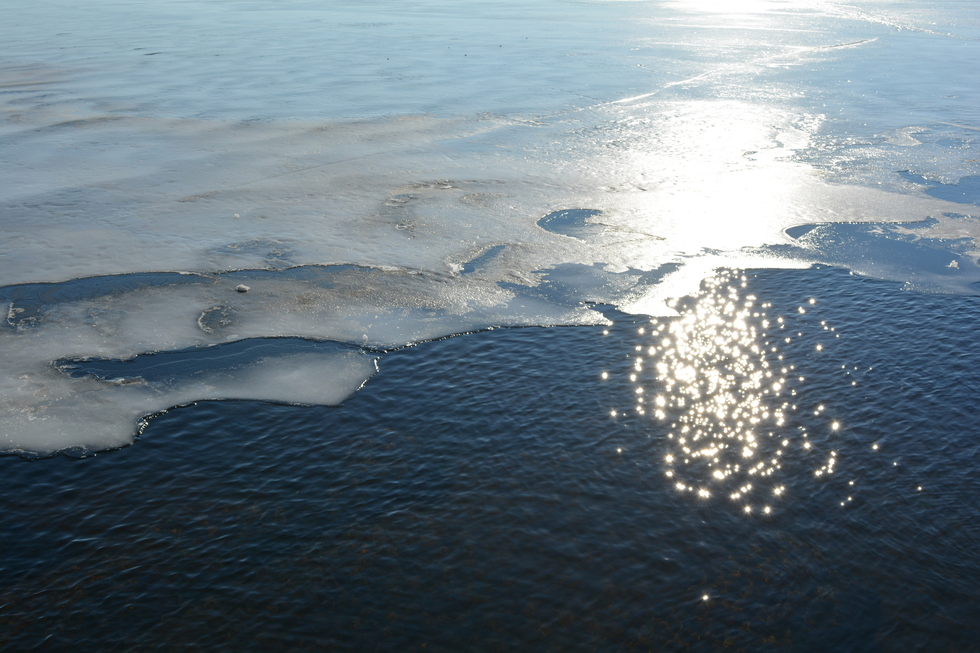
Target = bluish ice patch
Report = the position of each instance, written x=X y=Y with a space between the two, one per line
x=320 y=275
x=965 y=191
x=572 y=284
x=276 y=254
x=177 y=366
x=25 y=302
x=888 y=251
x=485 y=257
x=570 y=222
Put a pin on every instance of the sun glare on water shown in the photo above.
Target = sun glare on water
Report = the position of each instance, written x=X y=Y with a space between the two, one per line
x=719 y=388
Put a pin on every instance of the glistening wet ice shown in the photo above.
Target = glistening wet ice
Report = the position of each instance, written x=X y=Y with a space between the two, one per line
x=479 y=494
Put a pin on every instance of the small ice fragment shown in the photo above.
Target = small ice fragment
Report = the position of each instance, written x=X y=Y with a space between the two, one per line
x=242 y=288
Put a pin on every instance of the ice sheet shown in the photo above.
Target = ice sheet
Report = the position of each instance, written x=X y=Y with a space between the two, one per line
x=383 y=174
x=44 y=410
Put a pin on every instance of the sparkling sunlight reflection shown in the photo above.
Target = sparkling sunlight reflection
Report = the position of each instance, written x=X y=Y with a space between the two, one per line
x=720 y=386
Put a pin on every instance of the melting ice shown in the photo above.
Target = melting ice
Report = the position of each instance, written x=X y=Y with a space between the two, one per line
x=381 y=175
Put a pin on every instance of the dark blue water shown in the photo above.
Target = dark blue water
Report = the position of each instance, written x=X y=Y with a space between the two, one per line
x=478 y=494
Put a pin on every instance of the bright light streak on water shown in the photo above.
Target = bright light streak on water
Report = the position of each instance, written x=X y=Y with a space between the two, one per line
x=721 y=392
x=719 y=384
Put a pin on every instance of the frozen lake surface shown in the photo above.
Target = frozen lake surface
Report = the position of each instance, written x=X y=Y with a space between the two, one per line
x=425 y=145
x=294 y=204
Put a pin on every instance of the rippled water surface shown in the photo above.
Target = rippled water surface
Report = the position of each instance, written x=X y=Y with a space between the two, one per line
x=479 y=494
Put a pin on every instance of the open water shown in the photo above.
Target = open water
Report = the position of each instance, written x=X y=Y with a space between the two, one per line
x=548 y=326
